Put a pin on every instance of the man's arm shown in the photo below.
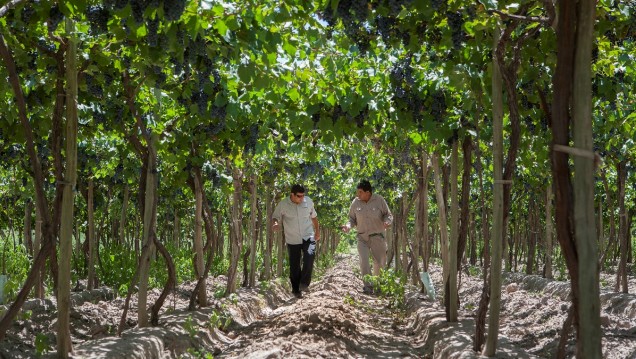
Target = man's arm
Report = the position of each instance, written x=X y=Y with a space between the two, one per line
x=387 y=217
x=352 y=220
x=276 y=217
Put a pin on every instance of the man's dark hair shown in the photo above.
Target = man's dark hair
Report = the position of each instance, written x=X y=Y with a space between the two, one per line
x=297 y=189
x=365 y=186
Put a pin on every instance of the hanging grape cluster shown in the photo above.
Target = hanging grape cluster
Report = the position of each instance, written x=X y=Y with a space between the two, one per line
x=405 y=91
x=438 y=105
x=93 y=86
x=456 y=23
x=251 y=136
x=173 y=9
x=55 y=17
x=98 y=17
x=152 y=28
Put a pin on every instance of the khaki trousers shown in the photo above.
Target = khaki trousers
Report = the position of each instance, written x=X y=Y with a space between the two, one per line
x=376 y=246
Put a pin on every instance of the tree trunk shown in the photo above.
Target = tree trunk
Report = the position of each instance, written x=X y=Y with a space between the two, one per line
x=452 y=248
x=198 y=237
x=568 y=217
x=64 y=344
x=498 y=207
x=462 y=237
x=122 y=220
x=170 y=283
x=28 y=241
x=150 y=215
x=444 y=250
x=621 y=273
x=37 y=247
x=589 y=325
x=176 y=231
x=531 y=237
x=611 y=241
x=236 y=232
x=92 y=248
x=269 y=236
x=280 y=244
x=253 y=186
x=548 y=232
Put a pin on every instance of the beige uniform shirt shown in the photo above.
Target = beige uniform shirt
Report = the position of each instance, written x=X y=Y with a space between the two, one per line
x=369 y=217
x=296 y=219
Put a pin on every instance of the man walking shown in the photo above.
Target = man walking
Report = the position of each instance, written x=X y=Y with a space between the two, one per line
x=370 y=214
x=300 y=227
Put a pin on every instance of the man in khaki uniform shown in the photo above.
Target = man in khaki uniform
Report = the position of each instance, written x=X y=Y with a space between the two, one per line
x=370 y=214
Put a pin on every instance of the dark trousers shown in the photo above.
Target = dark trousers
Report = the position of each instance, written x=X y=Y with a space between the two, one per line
x=298 y=252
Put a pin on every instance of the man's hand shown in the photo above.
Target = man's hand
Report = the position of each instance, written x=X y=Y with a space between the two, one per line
x=317 y=236
x=346 y=228
x=386 y=225
x=275 y=226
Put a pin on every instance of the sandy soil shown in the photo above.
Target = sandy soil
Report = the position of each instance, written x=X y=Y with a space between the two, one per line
x=333 y=320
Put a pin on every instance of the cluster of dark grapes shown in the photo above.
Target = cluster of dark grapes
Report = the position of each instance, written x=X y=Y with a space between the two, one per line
x=93 y=86
x=215 y=129
x=177 y=66
x=99 y=117
x=353 y=14
x=152 y=28
x=438 y=105
x=456 y=22
x=378 y=175
x=126 y=61
x=219 y=112
x=173 y=9
x=33 y=99
x=310 y=169
x=529 y=124
x=28 y=13
x=46 y=46
x=98 y=17
x=43 y=150
x=55 y=17
x=138 y=8
x=345 y=159
x=201 y=100
x=315 y=118
x=251 y=137
x=160 y=76
x=361 y=117
x=385 y=27
x=337 y=114
x=438 y=4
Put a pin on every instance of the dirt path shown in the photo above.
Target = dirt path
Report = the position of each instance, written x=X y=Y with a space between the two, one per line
x=335 y=319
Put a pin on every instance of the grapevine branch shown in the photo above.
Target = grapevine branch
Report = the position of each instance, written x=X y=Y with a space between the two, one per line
x=10 y=5
x=539 y=19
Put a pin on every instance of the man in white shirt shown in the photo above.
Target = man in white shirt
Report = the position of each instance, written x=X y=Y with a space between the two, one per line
x=301 y=231
x=370 y=214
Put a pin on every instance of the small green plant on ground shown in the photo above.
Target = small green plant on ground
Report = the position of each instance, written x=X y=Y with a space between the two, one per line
x=349 y=300
x=390 y=285
x=220 y=319
x=190 y=326
x=41 y=343
x=200 y=354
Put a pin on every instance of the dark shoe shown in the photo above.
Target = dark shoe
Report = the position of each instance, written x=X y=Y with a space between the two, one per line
x=304 y=287
x=297 y=294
